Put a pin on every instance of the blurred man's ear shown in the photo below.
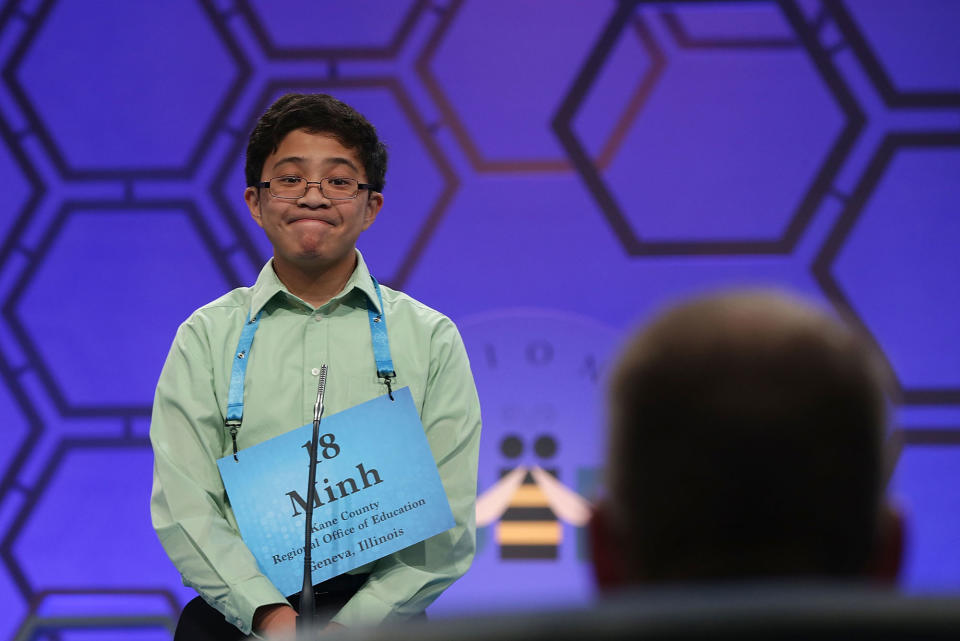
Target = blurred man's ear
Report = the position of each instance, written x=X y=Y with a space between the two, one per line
x=609 y=569
x=885 y=566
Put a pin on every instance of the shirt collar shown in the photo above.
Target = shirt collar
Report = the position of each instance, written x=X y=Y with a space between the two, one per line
x=268 y=285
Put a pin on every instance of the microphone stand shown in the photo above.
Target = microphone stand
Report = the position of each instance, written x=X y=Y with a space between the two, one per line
x=307 y=622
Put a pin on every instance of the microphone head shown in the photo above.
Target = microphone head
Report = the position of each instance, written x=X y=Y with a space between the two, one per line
x=321 y=385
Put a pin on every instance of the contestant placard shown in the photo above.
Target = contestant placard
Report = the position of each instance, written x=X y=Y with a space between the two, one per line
x=377 y=484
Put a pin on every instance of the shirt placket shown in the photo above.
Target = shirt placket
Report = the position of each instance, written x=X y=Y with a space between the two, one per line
x=315 y=354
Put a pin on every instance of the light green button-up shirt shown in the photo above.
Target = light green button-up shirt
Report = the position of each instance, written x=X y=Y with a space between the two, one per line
x=189 y=506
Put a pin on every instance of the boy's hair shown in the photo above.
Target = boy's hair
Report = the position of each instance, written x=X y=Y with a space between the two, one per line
x=316 y=113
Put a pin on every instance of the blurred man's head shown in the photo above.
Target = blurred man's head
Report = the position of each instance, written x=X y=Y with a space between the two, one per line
x=746 y=442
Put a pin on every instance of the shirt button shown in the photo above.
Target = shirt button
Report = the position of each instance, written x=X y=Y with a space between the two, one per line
x=318 y=318
x=315 y=371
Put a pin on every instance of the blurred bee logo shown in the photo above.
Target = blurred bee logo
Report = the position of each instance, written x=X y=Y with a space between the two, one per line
x=530 y=503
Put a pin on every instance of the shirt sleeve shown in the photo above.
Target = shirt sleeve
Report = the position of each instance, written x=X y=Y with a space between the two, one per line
x=188 y=501
x=403 y=584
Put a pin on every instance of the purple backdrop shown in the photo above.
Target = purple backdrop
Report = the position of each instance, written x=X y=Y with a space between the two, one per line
x=586 y=163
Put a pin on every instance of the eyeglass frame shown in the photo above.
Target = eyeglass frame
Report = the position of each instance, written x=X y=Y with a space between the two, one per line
x=319 y=183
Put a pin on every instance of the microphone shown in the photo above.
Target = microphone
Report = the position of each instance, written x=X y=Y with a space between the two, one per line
x=308 y=607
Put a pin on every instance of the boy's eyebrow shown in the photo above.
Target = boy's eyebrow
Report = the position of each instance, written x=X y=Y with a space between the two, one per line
x=297 y=160
x=300 y=160
x=338 y=160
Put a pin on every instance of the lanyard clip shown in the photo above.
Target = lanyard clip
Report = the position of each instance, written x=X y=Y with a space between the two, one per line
x=234 y=426
x=387 y=376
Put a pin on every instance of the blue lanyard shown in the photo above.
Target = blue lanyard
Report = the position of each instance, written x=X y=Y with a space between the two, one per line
x=381 y=354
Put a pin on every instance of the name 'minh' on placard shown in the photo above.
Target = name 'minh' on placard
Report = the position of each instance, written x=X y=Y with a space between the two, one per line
x=364 y=509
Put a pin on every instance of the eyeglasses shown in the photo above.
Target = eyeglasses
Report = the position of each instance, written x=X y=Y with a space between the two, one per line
x=295 y=187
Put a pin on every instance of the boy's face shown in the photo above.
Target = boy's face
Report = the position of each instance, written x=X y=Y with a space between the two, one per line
x=313 y=231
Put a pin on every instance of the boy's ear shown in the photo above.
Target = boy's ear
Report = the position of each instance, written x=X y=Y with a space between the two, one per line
x=374 y=205
x=251 y=195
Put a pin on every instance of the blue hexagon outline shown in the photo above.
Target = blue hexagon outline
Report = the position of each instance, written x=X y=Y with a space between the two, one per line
x=33 y=422
x=7 y=246
x=26 y=510
x=678 y=30
x=854 y=204
x=633 y=242
x=47 y=141
x=29 y=173
x=892 y=97
x=904 y=436
x=464 y=138
x=420 y=128
x=34 y=623
x=923 y=435
x=278 y=52
x=26 y=340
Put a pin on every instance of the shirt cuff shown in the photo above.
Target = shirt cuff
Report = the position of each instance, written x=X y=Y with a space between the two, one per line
x=362 y=610
x=249 y=595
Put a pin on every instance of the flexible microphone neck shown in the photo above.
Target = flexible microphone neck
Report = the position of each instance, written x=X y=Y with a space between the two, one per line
x=307 y=620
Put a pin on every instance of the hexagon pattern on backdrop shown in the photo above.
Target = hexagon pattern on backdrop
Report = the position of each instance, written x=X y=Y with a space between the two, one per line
x=557 y=171
x=115 y=91
x=665 y=196
x=124 y=252
x=903 y=50
x=674 y=167
x=358 y=29
x=485 y=92
x=76 y=507
x=910 y=197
